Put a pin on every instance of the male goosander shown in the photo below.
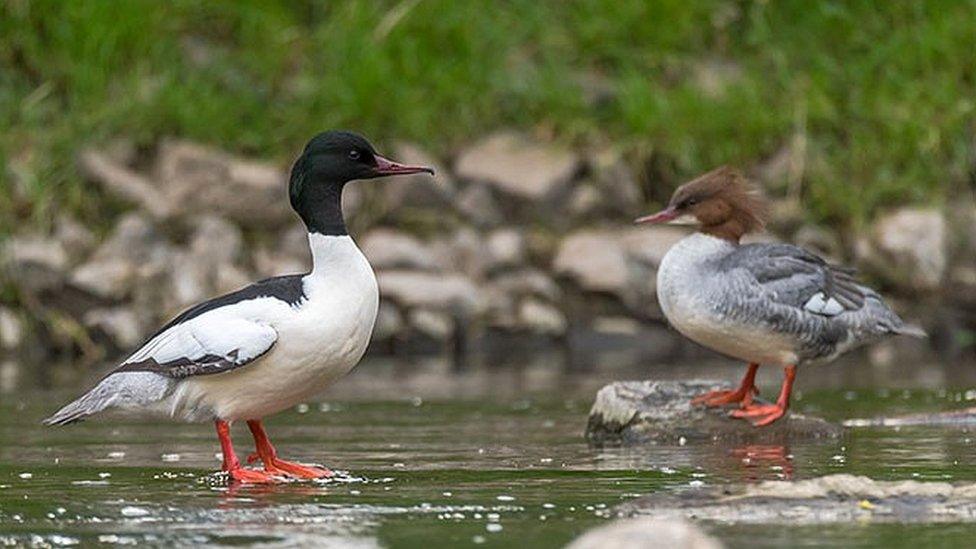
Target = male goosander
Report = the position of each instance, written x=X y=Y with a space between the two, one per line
x=270 y=345
x=761 y=303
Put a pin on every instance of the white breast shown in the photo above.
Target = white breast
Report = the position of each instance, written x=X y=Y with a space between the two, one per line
x=689 y=287
x=319 y=341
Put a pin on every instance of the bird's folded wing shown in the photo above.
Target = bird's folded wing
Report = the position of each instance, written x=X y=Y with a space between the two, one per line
x=201 y=346
x=793 y=276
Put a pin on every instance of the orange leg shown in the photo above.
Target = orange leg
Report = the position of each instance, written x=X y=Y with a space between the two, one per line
x=231 y=464
x=764 y=414
x=742 y=395
x=269 y=456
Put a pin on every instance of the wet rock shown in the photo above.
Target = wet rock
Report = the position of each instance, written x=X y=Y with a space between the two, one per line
x=506 y=248
x=35 y=262
x=633 y=412
x=519 y=166
x=420 y=190
x=391 y=249
x=478 y=206
x=646 y=533
x=908 y=247
x=121 y=324
x=829 y=499
x=454 y=293
x=541 y=318
x=204 y=180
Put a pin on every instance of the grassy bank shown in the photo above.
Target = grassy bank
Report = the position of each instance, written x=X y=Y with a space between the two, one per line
x=876 y=100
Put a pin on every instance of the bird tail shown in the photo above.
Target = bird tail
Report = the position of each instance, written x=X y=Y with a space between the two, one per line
x=92 y=402
x=911 y=330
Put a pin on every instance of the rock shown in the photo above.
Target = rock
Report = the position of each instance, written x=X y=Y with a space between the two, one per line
x=109 y=278
x=77 y=240
x=216 y=241
x=11 y=329
x=464 y=251
x=389 y=322
x=908 y=247
x=433 y=324
x=830 y=499
x=646 y=533
x=420 y=190
x=506 y=249
x=616 y=184
x=541 y=318
x=204 y=180
x=118 y=180
x=478 y=206
x=527 y=282
x=452 y=293
x=648 y=245
x=391 y=249
x=121 y=324
x=290 y=254
x=819 y=240
x=36 y=263
x=595 y=261
x=112 y=270
x=518 y=166
x=585 y=203
x=632 y=412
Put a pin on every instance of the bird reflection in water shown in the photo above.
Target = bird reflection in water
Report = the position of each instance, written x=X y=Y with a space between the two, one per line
x=760 y=460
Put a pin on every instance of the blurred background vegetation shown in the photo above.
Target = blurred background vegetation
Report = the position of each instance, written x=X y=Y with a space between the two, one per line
x=877 y=97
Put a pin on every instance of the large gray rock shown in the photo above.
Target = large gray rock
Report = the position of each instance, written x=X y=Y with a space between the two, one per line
x=391 y=249
x=830 y=499
x=121 y=324
x=646 y=533
x=112 y=271
x=908 y=247
x=478 y=206
x=35 y=262
x=506 y=248
x=616 y=183
x=595 y=260
x=420 y=190
x=210 y=264
x=11 y=329
x=542 y=318
x=204 y=180
x=519 y=166
x=452 y=293
x=634 y=412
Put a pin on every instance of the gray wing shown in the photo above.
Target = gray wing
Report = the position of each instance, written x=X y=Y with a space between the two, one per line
x=792 y=276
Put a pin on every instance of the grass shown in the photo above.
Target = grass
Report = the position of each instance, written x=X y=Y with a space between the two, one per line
x=875 y=98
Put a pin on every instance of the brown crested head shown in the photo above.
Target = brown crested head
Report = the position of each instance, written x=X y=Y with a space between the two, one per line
x=722 y=201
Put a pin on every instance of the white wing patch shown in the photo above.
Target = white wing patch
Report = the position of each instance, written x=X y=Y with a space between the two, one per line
x=215 y=341
x=817 y=304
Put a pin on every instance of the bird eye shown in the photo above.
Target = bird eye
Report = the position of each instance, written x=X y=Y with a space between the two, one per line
x=354 y=154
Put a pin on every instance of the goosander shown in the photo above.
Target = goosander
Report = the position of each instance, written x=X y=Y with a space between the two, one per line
x=761 y=303
x=270 y=345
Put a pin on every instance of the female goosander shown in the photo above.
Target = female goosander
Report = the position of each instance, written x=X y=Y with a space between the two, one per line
x=761 y=303
x=270 y=345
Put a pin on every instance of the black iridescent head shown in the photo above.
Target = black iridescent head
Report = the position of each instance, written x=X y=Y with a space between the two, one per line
x=329 y=161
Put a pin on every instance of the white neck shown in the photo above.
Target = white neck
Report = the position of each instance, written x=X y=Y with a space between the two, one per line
x=331 y=252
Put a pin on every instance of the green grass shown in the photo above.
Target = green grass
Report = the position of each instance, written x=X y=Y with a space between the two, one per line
x=883 y=94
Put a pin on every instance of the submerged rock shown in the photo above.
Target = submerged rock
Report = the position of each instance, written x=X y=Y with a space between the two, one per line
x=646 y=533
x=633 y=412
x=829 y=499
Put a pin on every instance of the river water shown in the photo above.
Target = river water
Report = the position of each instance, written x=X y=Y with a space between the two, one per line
x=437 y=456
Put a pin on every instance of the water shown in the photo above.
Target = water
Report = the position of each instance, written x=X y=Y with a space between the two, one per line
x=439 y=458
